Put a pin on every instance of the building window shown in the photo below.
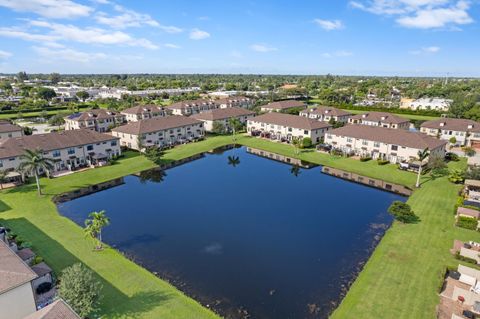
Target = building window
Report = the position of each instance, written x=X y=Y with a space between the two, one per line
x=71 y=151
x=349 y=140
x=56 y=153
x=305 y=132
x=394 y=147
x=376 y=144
x=364 y=142
x=89 y=147
x=113 y=143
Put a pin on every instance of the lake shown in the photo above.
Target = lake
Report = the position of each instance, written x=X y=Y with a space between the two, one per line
x=245 y=235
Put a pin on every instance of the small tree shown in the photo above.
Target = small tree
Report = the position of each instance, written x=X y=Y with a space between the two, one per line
x=456 y=176
x=297 y=142
x=154 y=154
x=453 y=140
x=437 y=165
x=402 y=212
x=469 y=151
x=307 y=142
x=235 y=125
x=79 y=288
x=94 y=225
x=218 y=127
x=82 y=95
x=46 y=93
x=422 y=155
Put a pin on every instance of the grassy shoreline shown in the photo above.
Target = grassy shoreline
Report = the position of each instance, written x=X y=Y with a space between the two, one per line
x=131 y=291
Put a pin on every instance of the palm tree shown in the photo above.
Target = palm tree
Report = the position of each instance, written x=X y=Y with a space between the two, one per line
x=422 y=155
x=94 y=226
x=3 y=176
x=235 y=125
x=296 y=142
x=33 y=162
x=233 y=160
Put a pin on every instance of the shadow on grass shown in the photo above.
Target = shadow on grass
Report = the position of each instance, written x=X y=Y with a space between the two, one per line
x=114 y=303
x=4 y=207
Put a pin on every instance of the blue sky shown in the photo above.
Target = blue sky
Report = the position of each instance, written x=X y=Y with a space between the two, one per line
x=358 y=37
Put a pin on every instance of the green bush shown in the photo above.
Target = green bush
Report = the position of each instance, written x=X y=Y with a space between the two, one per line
x=467 y=222
x=37 y=260
x=307 y=142
x=382 y=162
x=465 y=259
x=403 y=212
x=365 y=159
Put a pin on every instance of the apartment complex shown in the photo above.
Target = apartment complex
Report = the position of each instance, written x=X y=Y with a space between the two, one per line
x=279 y=106
x=465 y=132
x=69 y=150
x=382 y=119
x=160 y=132
x=282 y=126
x=143 y=112
x=223 y=116
x=9 y=130
x=191 y=107
x=326 y=114
x=383 y=143
x=234 y=101
x=426 y=103
x=99 y=120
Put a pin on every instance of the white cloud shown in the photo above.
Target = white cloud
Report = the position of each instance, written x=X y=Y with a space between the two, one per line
x=67 y=54
x=171 y=46
x=26 y=36
x=426 y=50
x=340 y=54
x=5 y=54
x=197 y=34
x=54 y=9
x=329 y=25
x=263 y=48
x=420 y=14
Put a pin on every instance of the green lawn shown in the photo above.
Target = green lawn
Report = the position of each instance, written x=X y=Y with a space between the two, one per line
x=408 y=262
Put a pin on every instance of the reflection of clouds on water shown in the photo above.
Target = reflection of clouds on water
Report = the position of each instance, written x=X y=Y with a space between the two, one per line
x=213 y=249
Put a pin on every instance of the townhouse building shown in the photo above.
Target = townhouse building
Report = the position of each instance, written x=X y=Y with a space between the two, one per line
x=326 y=114
x=9 y=130
x=69 y=150
x=426 y=103
x=191 y=107
x=144 y=112
x=160 y=132
x=280 y=126
x=466 y=132
x=235 y=101
x=223 y=116
x=382 y=119
x=379 y=142
x=280 y=106
x=99 y=120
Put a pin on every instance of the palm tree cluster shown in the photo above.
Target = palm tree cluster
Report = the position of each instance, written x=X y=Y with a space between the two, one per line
x=33 y=163
x=94 y=225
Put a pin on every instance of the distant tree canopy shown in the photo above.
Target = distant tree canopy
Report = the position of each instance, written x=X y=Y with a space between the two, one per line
x=46 y=93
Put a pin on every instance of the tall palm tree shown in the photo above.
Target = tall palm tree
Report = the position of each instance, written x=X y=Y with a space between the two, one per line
x=422 y=155
x=33 y=162
x=94 y=226
x=235 y=126
x=297 y=142
x=3 y=176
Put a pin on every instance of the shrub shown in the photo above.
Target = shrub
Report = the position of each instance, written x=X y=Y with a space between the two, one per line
x=37 y=260
x=382 y=162
x=452 y=157
x=467 y=222
x=25 y=244
x=307 y=142
x=469 y=151
x=456 y=176
x=44 y=287
x=465 y=259
x=365 y=158
x=402 y=212
x=154 y=154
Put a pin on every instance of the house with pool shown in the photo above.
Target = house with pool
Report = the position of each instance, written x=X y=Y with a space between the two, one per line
x=466 y=132
x=223 y=116
x=144 y=112
x=382 y=119
x=284 y=127
x=160 y=132
x=326 y=114
x=393 y=145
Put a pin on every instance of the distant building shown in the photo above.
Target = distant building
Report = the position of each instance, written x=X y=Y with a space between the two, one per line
x=326 y=113
x=191 y=107
x=223 y=116
x=465 y=132
x=382 y=119
x=434 y=104
x=279 y=106
x=143 y=112
x=234 y=101
x=99 y=120
x=9 y=130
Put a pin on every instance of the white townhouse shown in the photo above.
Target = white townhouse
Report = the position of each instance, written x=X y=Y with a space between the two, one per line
x=9 y=130
x=383 y=143
x=466 y=132
x=279 y=106
x=68 y=150
x=426 y=103
x=326 y=113
x=99 y=120
x=160 y=132
x=191 y=107
x=286 y=126
x=234 y=101
x=144 y=112
x=382 y=119
x=223 y=116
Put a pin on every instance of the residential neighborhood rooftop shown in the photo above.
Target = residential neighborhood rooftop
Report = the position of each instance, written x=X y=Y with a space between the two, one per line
x=389 y=136
x=327 y=110
x=98 y=114
x=291 y=121
x=13 y=271
x=220 y=114
x=56 y=310
x=190 y=103
x=384 y=117
x=156 y=124
x=453 y=125
x=282 y=105
x=9 y=127
x=139 y=109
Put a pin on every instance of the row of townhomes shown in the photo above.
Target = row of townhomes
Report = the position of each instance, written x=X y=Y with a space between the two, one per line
x=223 y=116
x=192 y=107
x=465 y=132
x=285 y=127
x=282 y=106
x=382 y=119
x=22 y=286
x=326 y=114
x=69 y=150
x=160 y=132
x=9 y=130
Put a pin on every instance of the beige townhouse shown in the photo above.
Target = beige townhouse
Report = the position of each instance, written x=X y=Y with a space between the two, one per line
x=280 y=106
x=235 y=101
x=326 y=114
x=69 y=150
x=223 y=116
x=9 y=130
x=160 y=132
x=465 y=132
x=382 y=119
x=379 y=142
x=144 y=112
x=191 y=107
x=99 y=120
x=280 y=126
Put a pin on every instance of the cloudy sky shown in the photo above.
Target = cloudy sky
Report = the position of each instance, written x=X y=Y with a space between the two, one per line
x=373 y=37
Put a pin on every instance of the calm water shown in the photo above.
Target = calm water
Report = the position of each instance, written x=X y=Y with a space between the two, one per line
x=252 y=239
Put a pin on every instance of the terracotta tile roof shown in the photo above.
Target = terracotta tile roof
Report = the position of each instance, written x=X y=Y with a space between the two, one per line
x=156 y=124
x=95 y=114
x=389 y=136
x=289 y=120
x=233 y=99
x=220 y=114
x=462 y=125
x=51 y=141
x=140 y=109
x=56 y=310
x=383 y=117
x=191 y=103
x=13 y=271
x=326 y=110
x=9 y=127
x=468 y=212
x=283 y=105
